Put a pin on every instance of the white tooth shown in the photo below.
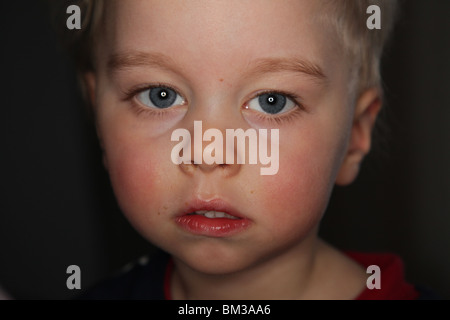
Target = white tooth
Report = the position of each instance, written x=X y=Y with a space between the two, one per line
x=215 y=214
x=220 y=214
x=230 y=216
x=210 y=214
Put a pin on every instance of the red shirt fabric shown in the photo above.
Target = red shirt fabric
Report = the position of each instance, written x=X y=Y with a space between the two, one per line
x=393 y=285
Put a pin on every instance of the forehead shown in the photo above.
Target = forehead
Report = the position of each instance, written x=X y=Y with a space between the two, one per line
x=220 y=34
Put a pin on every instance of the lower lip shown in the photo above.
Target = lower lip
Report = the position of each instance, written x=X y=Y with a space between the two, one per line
x=212 y=227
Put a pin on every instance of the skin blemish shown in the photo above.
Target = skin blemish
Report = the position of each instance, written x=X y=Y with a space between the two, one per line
x=221 y=80
x=252 y=191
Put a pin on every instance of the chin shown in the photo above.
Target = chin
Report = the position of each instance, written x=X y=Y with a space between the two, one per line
x=214 y=260
x=214 y=268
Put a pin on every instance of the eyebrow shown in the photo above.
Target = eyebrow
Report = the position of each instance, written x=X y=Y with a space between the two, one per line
x=136 y=59
x=260 y=67
x=297 y=65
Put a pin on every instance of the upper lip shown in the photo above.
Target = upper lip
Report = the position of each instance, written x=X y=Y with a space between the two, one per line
x=215 y=204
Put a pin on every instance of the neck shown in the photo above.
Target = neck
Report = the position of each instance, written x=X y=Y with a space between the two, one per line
x=288 y=275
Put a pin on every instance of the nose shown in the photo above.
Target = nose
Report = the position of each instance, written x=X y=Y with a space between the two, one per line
x=224 y=168
x=209 y=152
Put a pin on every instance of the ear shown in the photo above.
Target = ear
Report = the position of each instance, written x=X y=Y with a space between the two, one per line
x=366 y=111
x=90 y=83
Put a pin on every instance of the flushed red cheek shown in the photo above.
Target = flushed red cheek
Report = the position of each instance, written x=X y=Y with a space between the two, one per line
x=136 y=181
x=296 y=194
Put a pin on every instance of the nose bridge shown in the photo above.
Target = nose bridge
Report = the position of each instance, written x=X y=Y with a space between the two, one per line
x=207 y=121
x=216 y=107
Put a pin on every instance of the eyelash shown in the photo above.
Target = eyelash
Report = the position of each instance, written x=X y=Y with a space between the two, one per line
x=130 y=95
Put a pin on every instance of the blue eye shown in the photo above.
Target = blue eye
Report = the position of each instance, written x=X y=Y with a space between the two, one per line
x=160 y=98
x=272 y=103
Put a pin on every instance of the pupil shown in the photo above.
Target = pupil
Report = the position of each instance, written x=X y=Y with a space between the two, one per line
x=162 y=97
x=272 y=103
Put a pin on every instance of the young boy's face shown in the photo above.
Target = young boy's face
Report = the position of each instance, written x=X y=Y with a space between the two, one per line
x=218 y=58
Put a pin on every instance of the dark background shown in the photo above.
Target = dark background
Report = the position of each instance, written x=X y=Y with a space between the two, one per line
x=57 y=208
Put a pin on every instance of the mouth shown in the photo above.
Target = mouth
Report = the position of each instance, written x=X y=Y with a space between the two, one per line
x=214 y=218
x=213 y=214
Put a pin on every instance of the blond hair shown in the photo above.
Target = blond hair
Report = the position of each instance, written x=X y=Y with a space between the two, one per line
x=348 y=18
x=362 y=46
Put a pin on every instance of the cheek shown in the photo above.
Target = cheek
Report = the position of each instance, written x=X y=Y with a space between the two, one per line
x=139 y=170
x=296 y=195
x=300 y=191
x=137 y=156
x=131 y=172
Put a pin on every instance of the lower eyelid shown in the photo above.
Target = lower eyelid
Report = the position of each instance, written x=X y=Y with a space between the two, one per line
x=153 y=113
x=280 y=118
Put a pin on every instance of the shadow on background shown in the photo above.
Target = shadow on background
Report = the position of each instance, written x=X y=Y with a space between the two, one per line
x=57 y=208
